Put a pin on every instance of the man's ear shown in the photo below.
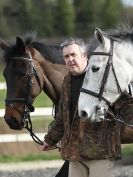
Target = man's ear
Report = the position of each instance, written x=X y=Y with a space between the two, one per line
x=85 y=55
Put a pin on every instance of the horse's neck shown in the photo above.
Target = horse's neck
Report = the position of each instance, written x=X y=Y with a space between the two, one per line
x=53 y=75
x=125 y=59
x=53 y=78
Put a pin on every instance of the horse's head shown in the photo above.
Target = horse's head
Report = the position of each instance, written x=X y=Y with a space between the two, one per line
x=24 y=80
x=109 y=73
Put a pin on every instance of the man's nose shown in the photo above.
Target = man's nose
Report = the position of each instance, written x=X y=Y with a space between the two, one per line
x=70 y=58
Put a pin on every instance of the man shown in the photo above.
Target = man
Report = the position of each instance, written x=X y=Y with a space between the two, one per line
x=80 y=139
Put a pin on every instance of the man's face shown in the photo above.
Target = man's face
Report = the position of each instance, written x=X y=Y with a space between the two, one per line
x=75 y=61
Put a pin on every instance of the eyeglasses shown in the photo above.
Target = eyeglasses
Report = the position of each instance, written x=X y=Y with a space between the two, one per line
x=72 y=41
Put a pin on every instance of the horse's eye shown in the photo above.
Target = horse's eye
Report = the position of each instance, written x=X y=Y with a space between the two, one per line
x=95 y=68
x=20 y=74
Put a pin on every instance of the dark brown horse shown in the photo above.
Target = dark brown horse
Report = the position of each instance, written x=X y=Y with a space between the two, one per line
x=28 y=71
x=31 y=67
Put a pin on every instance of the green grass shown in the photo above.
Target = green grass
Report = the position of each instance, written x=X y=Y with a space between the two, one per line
x=30 y=157
x=51 y=155
x=2 y=98
x=1 y=75
x=2 y=78
x=127 y=150
x=39 y=124
x=41 y=101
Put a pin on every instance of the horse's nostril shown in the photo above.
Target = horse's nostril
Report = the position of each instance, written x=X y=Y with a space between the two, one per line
x=83 y=114
x=13 y=123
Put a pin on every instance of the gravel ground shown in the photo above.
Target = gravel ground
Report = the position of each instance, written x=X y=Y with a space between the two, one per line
x=123 y=171
x=51 y=172
x=31 y=169
x=50 y=169
x=47 y=172
x=124 y=167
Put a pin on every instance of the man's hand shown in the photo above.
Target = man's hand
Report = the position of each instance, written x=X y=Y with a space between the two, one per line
x=46 y=146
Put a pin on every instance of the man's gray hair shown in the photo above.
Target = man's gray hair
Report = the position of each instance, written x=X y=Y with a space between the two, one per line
x=79 y=42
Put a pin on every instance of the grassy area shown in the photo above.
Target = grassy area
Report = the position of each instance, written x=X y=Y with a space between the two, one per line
x=31 y=157
x=2 y=78
x=41 y=101
x=40 y=124
x=1 y=75
x=128 y=149
x=2 y=98
x=50 y=155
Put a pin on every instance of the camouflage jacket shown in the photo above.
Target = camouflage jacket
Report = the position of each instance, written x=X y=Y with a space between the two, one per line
x=82 y=140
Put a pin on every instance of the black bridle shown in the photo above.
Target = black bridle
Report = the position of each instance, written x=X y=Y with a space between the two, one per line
x=27 y=101
x=27 y=123
x=109 y=66
x=105 y=75
x=32 y=72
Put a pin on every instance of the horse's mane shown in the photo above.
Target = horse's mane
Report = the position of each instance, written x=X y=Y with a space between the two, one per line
x=49 y=52
x=123 y=33
x=53 y=52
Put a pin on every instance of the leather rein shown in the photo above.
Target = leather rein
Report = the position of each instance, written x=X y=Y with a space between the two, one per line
x=99 y=95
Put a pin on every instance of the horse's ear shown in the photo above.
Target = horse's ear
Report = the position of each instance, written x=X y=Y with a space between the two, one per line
x=20 y=43
x=99 y=35
x=3 y=45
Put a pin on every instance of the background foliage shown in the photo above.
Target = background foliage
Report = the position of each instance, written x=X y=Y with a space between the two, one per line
x=56 y=18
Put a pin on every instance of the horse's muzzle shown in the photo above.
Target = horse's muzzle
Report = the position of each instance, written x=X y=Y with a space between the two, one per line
x=13 y=123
